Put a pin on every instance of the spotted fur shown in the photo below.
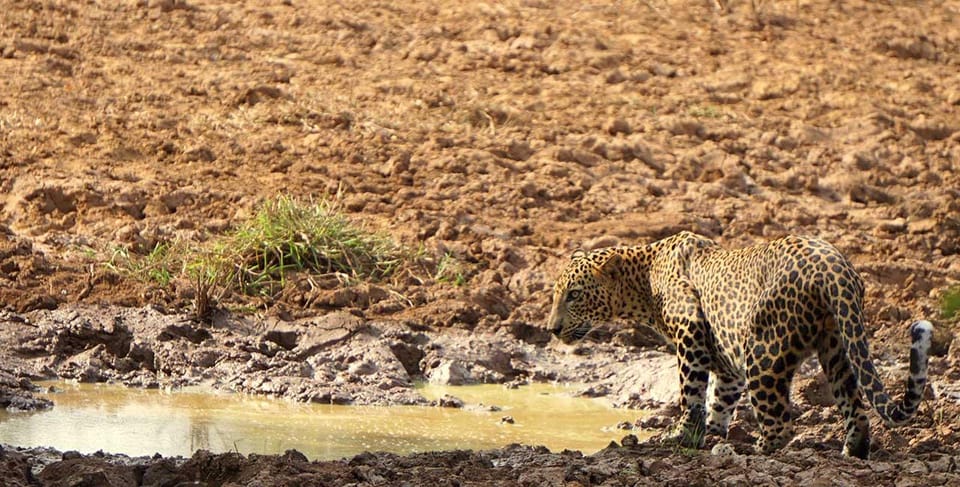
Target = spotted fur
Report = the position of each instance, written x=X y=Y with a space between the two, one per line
x=743 y=319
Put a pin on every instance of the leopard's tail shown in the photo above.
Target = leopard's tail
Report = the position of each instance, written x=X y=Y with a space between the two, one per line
x=850 y=322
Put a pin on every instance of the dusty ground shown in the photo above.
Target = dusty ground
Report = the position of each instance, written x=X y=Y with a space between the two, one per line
x=503 y=134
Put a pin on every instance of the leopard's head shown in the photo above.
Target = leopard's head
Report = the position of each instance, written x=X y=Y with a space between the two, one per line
x=583 y=295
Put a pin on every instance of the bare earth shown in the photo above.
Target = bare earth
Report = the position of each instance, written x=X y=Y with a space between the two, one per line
x=502 y=134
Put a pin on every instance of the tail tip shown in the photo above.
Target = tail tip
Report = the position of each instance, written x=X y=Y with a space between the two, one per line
x=923 y=327
x=921 y=331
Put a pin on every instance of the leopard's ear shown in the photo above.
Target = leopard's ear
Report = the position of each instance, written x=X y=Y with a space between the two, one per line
x=611 y=266
x=578 y=254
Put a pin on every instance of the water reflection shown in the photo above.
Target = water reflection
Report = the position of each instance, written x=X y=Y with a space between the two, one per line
x=90 y=417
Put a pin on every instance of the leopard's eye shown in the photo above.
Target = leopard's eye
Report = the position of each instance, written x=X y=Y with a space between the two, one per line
x=573 y=295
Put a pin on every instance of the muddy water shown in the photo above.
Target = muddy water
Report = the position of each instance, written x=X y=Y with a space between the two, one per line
x=89 y=417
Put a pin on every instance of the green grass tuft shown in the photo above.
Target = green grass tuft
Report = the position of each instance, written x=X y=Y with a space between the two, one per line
x=158 y=266
x=950 y=302
x=288 y=235
x=704 y=111
x=285 y=235
x=451 y=270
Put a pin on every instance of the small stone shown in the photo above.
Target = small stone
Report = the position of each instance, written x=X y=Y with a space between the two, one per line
x=770 y=90
x=896 y=225
x=664 y=70
x=294 y=456
x=723 y=450
x=449 y=401
x=629 y=440
x=200 y=154
x=860 y=160
x=658 y=466
x=259 y=94
x=932 y=129
x=451 y=373
x=683 y=126
x=519 y=150
x=952 y=95
x=581 y=157
x=926 y=225
x=616 y=77
x=507 y=420
x=71 y=455
x=619 y=126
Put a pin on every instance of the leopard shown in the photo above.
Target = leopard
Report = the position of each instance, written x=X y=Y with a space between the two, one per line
x=742 y=319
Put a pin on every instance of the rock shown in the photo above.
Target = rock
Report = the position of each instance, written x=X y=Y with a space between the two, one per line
x=519 y=150
x=664 y=70
x=363 y=367
x=594 y=391
x=287 y=339
x=164 y=471
x=925 y=225
x=190 y=332
x=17 y=394
x=616 y=77
x=199 y=154
x=448 y=401
x=723 y=450
x=71 y=455
x=325 y=331
x=618 y=126
x=87 y=472
x=908 y=48
x=507 y=420
x=815 y=390
x=259 y=94
x=650 y=376
x=763 y=89
x=859 y=160
x=87 y=366
x=579 y=156
x=82 y=139
x=449 y=373
x=15 y=469
x=895 y=226
x=932 y=129
x=682 y=126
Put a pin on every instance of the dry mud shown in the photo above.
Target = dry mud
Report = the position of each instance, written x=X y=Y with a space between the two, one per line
x=503 y=134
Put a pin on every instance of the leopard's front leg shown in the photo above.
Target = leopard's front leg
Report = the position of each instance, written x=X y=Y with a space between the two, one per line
x=693 y=364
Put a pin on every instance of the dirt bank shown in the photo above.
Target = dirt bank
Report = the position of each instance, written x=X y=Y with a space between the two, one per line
x=338 y=358
x=514 y=465
x=335 y=358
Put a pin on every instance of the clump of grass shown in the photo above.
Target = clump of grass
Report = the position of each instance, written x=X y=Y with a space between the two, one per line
x=950 y=302
x=158 y=266
x=284 y=236
x=704 y=111
x=451 y=270
x=288 y=235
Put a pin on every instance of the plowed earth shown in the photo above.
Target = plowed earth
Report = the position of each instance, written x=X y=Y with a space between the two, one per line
x=503 y=135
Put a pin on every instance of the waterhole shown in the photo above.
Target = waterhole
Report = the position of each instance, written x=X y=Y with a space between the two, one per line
x=115 y=419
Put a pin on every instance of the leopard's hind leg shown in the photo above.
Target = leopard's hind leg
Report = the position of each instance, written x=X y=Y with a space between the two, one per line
x=843 y=384
x=723 y=394
x=773 y=354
